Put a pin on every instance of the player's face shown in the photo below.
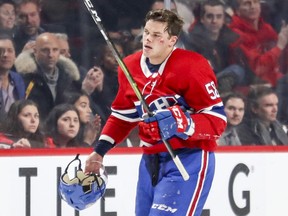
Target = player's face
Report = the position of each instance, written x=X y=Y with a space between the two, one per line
x=29 y=118
x=267 y=108
x=213 y=19
x=47 y=52
x=7 y=16
x=29 y=18
x=83 y=107
x=249 y=9
x=157 y=43
x=234 y=109
x=7 y=55
x=68 y=125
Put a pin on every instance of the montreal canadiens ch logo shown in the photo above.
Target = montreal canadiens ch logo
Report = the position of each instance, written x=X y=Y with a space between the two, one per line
x=156 y=102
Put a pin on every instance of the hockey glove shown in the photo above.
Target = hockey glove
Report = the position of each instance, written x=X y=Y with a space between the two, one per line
x=168 y=122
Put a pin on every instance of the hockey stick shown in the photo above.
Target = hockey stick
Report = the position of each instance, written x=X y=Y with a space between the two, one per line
x=133 y=84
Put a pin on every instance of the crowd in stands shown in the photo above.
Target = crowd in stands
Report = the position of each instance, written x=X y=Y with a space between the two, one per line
x=58 y=77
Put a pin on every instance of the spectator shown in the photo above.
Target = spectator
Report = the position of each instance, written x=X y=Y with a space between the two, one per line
x=29 y=24
x=62 y=127
x=260 y=125
x=63 y=44
x=90 y=125
x=260 y=47
x=7 y=17
x=46 y=74
x=104 y=95
x=11 y=83
x=92 y=85
x=65 y=51
x=132 y=47
x=22 y=127
x=213 y=39
x=234 y=107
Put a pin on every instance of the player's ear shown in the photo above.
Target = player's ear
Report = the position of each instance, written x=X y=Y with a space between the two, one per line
x=173 y=40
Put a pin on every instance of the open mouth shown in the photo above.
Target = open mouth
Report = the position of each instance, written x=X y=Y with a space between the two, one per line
x=147 y=47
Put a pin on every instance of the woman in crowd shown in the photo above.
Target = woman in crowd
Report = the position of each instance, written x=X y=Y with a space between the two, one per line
x=62 y=127
x=21 y=128
x=7 y=17
x=90 y=124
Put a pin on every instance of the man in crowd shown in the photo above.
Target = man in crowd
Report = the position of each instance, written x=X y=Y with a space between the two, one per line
x=11 y=83
x=234 y=107
x=29 y=24
x=260 y=126
x=261 y=47
x=47 y=75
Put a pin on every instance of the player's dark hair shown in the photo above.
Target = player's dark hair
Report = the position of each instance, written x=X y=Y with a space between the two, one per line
x=174 y=22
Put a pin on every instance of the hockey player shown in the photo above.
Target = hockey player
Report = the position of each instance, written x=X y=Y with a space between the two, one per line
x=180 y=87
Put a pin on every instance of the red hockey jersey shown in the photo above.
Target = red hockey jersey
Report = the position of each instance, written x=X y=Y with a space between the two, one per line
x=185 y=78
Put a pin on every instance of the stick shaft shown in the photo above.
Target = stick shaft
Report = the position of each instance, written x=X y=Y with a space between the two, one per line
x=133 y=84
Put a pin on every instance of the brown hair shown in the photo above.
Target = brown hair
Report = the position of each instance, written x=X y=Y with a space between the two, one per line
x=174 y=22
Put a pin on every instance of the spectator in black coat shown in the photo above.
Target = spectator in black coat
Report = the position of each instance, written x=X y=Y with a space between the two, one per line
x=47 y=74
x=260 y=125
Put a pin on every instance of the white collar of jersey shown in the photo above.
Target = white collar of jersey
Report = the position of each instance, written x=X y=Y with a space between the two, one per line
x=145 y=68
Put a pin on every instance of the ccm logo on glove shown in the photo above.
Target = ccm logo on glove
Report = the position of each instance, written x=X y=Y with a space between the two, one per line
x=166 y=123
x=178 y=114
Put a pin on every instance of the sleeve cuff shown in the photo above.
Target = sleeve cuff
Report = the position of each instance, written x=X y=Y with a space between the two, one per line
x=102 y=147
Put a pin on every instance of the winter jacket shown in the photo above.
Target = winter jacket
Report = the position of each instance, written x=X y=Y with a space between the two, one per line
x=36 y=85
x=253 y=132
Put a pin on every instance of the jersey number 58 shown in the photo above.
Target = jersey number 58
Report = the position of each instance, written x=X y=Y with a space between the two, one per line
x=212 y=91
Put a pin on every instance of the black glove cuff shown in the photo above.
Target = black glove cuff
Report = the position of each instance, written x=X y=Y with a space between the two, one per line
x=102 y=147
